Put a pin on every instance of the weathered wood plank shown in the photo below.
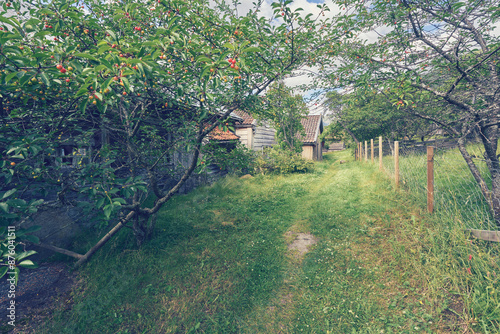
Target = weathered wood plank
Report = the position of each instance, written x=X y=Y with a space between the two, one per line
x=485 y=235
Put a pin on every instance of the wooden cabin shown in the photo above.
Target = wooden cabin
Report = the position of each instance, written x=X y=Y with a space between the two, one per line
x=312 y=147
x=254 y=134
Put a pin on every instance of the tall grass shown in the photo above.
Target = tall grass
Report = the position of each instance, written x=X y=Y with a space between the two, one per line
x=457 y=196
x=472 y=266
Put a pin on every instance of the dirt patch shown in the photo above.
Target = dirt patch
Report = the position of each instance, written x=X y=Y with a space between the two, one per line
x=39 y=292
x=451 y=317
x=301 y=243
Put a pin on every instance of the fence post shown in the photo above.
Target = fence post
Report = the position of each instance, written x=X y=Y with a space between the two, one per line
x=380 y=152
x=366 y=151
x=371 y=143
x=396 y=163
x=430 y=179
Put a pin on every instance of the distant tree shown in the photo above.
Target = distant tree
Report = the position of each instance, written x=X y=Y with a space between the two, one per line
x=286 y=110
x=363 y=115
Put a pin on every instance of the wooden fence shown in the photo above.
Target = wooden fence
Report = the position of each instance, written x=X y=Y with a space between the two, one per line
x=370 y=151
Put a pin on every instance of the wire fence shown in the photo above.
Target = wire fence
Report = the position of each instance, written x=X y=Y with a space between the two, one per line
x=456 y=195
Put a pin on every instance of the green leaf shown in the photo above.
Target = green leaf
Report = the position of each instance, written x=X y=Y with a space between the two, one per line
x=45 y=79
x=8 y=193
x=32 y=238
x=82 y=91
x=103 y=49
x=3 y=270
x=28 y=264
x=24 y=255
x=203 y=59
x=100 y=202
x=206 y=70
x=4 y=207
x=107 y=210
x=83 y=105
x=10 y=76
x=100 y=68
x=85 y=55
x=126 y=84
x=107 y=63
x=106 y=83
x=112 y=34
x=32 y=229
x=229 y=46
x=251 y=49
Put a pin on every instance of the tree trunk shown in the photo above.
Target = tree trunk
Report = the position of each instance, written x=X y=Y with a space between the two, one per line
x=491 y=196
x=489 y=137
x=349 y=132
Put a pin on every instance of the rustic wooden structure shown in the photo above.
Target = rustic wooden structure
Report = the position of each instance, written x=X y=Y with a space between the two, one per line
x=312 y=147
x=254 y=134
x=485 y=235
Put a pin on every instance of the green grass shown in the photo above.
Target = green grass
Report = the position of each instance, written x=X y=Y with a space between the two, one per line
x=219 y=263
x=457 y=197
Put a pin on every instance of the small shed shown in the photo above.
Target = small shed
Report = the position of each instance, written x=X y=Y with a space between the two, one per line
x=312 y=147
x=254 y=134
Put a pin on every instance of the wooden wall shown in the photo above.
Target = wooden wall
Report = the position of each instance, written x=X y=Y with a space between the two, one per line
x=246 y=136
x=263 y=137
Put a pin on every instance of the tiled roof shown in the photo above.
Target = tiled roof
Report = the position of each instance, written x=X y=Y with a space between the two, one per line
x=219 y=134
x=247 y=118
x=311 y=126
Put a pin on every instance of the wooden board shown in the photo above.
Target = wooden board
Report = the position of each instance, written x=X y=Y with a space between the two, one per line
x=485 y=235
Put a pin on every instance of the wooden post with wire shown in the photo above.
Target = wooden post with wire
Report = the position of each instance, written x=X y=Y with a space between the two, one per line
x=371 y=143
x=396 y=163
x=380 y=153
x=366 y=151
x=430 y=179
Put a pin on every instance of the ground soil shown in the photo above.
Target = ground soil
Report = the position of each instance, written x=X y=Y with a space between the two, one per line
x=38 y=293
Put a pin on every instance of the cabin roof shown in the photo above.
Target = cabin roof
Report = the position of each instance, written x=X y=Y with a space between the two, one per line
x=219 y=134
x=313 y=126
x=247 y=119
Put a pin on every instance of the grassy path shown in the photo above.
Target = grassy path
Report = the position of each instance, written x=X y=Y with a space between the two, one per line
x=220 y=263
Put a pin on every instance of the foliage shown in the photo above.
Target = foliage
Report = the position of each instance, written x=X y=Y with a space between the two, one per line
x=368 y=115
x=437 y=60
x=237 y=160
x=122 y=87
x=282 y=161
x=286 y=110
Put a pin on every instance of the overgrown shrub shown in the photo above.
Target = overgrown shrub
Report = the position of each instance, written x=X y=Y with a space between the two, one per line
x=236 y=159
x=276 y=160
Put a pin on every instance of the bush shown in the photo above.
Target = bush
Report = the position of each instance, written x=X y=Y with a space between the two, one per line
x=237 y=159
x=276 y=160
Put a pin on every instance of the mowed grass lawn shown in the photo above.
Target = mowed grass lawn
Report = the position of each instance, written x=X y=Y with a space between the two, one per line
x=219 y=263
